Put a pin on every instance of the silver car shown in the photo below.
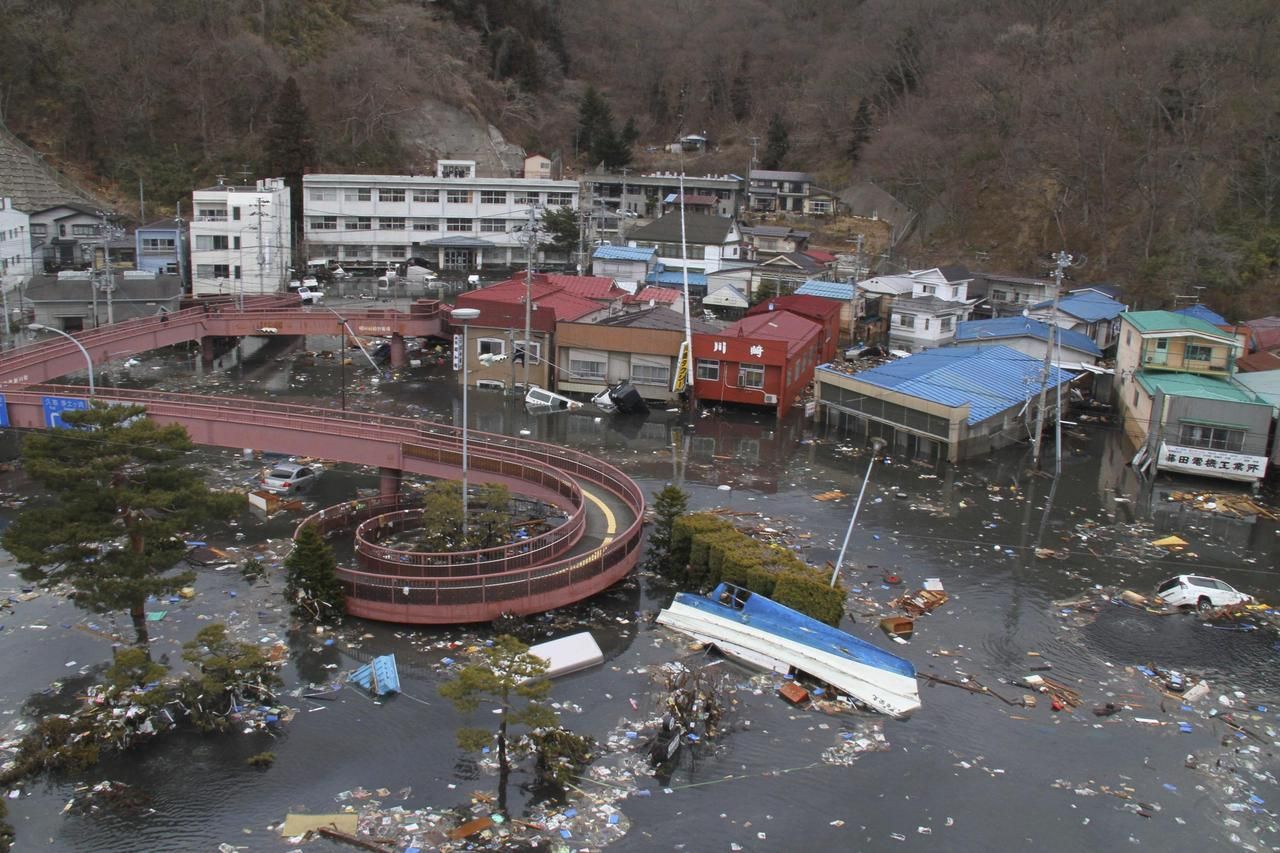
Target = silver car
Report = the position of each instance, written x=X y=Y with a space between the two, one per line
x=290 y=477
x=1200 y=592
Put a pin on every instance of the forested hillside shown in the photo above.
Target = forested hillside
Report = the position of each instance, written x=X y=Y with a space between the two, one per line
x=1143 y=133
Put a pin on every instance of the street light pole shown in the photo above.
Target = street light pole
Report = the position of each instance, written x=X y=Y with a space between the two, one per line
x=88 y=361
x=877 y=444
x=465 y=316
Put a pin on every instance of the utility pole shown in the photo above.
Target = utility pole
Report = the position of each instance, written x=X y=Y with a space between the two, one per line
x=142 y=203
x=109 y=283
x=178 y=244
x=853 y=289
x=746 y=182
x=1062 y=260
x=622 y=211
x=531 y=244
x=258 y=204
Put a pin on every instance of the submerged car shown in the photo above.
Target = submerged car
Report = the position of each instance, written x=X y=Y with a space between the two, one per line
x=1200 y=592
x=289 y=477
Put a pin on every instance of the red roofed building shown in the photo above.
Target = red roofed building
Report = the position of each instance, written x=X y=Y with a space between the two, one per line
x=824 y=312
x=762 y=360
x=499 y=330
x=653 y=296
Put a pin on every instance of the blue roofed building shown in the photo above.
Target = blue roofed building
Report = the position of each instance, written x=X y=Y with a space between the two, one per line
x=1088 y=310
x=627 y=265
x=951 y=402
x=1031 y=337
x=861 y=313
x=1203 y=312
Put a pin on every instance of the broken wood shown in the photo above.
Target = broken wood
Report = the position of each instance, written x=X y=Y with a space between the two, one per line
x=338 y=835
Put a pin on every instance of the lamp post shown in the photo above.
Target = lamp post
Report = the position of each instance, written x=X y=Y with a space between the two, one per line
x=345 y=327
x=465 y=316
x=877 y=444
x=88 y=361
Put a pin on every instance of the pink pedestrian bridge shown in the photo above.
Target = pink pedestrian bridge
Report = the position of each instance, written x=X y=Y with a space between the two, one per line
x=597 y=544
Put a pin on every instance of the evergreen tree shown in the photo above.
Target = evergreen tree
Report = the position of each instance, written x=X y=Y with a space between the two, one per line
x=490 y=523
x=561 y=225
x=670 y=503
x=224 y=673
x=311 y=581
x=121 y=503
x=291 y=147
x=508 y=679
x=630 y=133
x=442 y=517
x=740 y=90
x=593 y=117
x=861 y=130
x=777 y=143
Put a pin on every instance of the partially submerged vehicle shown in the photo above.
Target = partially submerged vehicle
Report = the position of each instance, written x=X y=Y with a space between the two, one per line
x=1200 y=592
x=623 y=398
x=761 y=632
x=541 y=400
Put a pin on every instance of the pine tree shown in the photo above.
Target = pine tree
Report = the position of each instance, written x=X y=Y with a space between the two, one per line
x=561 y=225
x=593 y=113
x=507 y=678
x=670 y=503
x=122 y=500
x=311 y=581
x=291 y=147
x=740 y=90
x=630 y=133
x=442 y=517
x=490 y=522
x=224 y=673
x=777 y=143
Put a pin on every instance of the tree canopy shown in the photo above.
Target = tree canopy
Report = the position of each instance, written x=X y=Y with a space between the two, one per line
x=122 y=499
x=311 y=585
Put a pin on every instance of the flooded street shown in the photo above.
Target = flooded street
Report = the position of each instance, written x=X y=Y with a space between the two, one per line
x=967 y=771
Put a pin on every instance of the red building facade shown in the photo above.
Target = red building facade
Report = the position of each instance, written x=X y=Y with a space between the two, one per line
x=824 y=312
x=765 y=360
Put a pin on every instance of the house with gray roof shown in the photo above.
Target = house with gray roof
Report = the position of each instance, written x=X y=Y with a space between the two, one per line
x=710 y=241
x=770 y=191
x=74 y=300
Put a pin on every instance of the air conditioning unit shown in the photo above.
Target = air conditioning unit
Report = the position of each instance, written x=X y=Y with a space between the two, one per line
x=771 y=399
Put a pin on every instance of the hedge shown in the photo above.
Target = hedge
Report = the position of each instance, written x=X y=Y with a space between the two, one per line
x=682 y=536
x=810 y=595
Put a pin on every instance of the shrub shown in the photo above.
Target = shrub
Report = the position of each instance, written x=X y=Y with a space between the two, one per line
x=683 y=532
x=808 y=592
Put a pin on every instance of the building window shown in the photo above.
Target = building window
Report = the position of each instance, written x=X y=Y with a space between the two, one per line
x=708 y=370
x=820 y=206
x=586 y=368
x=426 y=225
x=1212 y=438
x=518 y=350
x=357 y=194
x=1135 y=396
x=456 y=170
x=39 y=229
x=323 y=223
x=391 y=253
x=751 y=375
x=946 y=323
x=213 y=271
x=84 y=230
x=493 y=197
x=207 y=214
x=458 y=197
x=650 y=374
x=157 y=245
x=491 y=346
x=1196 y=352
x=211 y=242
x=391 y=223
x=357 y=253
x=906 y=321
x=323 y=194
x=493 y=226
x=559 y=199
x=459 y=225
x=426 y=195
x=929 y=289
x=526 y=198
x=358 y=223
x=390 y=195
x=235 y=214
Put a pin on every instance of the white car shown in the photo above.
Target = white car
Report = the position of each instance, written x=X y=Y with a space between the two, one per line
x=289 y=478
x=1200 y=592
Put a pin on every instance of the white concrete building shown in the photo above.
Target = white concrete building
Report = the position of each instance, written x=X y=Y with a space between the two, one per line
x=926 y=305
x=454 y=219
x=15 y=246
x=240 y=239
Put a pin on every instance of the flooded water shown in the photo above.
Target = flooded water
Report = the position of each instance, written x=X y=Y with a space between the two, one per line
x=965 y=772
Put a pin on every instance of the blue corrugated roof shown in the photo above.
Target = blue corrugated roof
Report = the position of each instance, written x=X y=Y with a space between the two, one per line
x=1203 y=312
x=676 y=278
x=829 y=289
x=1089 y=307
x=1017 y=327
x=623 y=253
x=989 y=378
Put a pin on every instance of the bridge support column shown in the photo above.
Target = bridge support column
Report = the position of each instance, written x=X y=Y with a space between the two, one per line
x=399 y=358
x=206 y=351
x=389 y=481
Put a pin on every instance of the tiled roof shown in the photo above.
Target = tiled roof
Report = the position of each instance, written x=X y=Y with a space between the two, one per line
x=1194 y=385
x=989 y=378
x=1266 y=332
x=1087 y=306
x=820 y=256
x=623 y=253
x=590 y=286
x=1019 y=327
x=842 y=290
x=31 y=182
x=1256 y=361
x=547 y=294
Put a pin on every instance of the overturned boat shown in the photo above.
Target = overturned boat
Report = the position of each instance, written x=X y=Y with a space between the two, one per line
x=622 y=398
x=759 y=631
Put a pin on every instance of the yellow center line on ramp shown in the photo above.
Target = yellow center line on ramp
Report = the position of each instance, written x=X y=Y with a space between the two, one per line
x=611 y=523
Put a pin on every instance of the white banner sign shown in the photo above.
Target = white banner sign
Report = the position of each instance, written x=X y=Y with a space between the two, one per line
x=1211 y=463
